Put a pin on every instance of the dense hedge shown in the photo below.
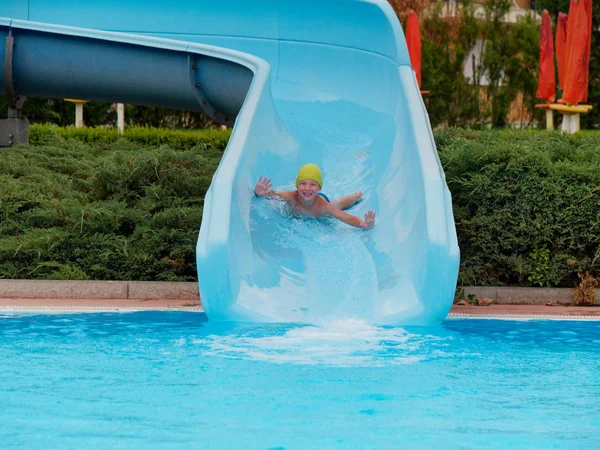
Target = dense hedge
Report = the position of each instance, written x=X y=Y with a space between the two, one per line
x=87 y=203
x=211 y=137
x=111 y=210
x=526 y=205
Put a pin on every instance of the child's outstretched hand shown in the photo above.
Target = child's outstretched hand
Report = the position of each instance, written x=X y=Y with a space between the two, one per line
x=262 y=186
x=369 y=220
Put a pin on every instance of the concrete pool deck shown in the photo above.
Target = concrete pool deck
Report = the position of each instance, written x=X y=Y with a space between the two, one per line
x=73 y=296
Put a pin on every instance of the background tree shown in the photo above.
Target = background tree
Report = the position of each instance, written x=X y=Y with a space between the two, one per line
x=403 y=7
x=62 y=113
x=447 y=40
x=509 y=59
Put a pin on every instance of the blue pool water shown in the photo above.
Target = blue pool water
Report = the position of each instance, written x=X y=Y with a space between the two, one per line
x=173 y=380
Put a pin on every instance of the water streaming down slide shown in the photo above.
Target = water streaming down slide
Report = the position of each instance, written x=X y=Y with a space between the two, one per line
x=327 y=82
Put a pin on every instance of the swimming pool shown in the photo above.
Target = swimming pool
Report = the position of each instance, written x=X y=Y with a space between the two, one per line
x=173 y=380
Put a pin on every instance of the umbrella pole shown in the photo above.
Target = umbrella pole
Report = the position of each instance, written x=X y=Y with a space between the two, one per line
x=549 y=120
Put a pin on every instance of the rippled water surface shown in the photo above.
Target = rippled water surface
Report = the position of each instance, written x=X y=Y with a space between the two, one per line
x=173 y=380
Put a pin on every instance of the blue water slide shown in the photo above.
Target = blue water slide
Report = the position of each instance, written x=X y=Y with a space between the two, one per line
x=327 y=82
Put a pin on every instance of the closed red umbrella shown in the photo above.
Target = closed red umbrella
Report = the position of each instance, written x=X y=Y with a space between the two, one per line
x=413 y=42
x=546 y=81
x=560 y=44
x=588 y=47
x=576 y=83
x=570 y=28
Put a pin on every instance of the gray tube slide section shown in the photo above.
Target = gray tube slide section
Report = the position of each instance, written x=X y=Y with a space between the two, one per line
x=65 y=62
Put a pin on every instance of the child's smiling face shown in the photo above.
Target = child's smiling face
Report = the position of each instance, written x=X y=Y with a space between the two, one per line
x=308 y=190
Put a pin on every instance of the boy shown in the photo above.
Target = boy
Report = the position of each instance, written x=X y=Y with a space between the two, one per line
x=307 y=199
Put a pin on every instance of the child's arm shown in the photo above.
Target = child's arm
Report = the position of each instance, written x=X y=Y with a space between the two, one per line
x=366 y=224
x=263 y=188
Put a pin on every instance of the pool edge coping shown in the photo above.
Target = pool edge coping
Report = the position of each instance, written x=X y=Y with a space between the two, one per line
x=99 y=289
x=96 y=296
x=70 y=309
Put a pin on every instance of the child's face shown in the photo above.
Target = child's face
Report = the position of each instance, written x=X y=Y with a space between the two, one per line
x=308 y=189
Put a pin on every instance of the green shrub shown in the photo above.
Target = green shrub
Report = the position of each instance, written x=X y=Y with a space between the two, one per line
x=89 y=204
x=214 y=138
x=107 y=210
x=526 y=205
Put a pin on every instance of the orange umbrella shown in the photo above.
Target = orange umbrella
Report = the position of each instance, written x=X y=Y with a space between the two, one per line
x=576 y=83
x=560 y=44
x=413 y=42
x=588 y=47
x=546 y=81
x=570 y=27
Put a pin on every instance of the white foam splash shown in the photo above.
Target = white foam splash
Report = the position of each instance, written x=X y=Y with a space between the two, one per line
x=344 y=342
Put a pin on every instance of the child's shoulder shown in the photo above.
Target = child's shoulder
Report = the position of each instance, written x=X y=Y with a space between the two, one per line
x=290 y=195
x=323 y=205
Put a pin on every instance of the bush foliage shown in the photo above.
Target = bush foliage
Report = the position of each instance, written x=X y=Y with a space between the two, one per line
x=104 y=208
x=88 y=204
x=526 y=205
x=211 y=137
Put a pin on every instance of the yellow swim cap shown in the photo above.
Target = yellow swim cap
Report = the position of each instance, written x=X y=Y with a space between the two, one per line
x=310 y=172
